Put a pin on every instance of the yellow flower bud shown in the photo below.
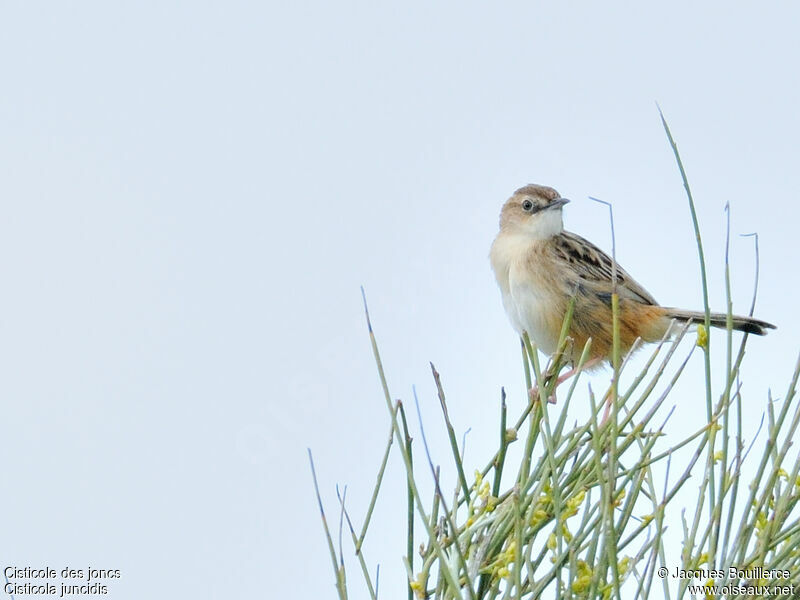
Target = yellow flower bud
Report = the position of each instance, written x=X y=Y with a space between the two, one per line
x=702 y=336
x=551 y=542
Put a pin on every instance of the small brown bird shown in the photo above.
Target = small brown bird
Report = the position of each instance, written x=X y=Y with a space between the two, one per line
x=540 y=267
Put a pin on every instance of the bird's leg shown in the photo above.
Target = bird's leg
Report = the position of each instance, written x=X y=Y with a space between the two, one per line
x=534 y=391
x=592 y=362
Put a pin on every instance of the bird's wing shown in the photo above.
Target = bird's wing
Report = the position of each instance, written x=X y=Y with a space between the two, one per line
x=594 y=268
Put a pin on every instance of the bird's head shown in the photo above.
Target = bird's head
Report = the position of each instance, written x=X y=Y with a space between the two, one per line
x=533 y=210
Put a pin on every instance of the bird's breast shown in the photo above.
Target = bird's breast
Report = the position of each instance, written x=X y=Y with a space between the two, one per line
x=529 y=287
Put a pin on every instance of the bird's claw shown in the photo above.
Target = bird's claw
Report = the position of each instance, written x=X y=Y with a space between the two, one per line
x=533 y=394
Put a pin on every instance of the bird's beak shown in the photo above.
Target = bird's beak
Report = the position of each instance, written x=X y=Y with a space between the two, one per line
x=557 y=203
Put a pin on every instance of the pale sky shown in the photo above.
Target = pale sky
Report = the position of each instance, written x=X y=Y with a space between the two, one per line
x=193 y=193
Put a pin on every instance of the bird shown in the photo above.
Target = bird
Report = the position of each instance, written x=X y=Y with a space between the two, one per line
x=540 y=267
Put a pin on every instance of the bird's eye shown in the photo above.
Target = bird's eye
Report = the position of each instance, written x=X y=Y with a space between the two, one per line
x=527 y=206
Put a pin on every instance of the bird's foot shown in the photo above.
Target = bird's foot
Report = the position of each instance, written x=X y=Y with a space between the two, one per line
x=533 y=393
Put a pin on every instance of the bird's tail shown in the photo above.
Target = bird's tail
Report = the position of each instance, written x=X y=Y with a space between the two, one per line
x=746 y=324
